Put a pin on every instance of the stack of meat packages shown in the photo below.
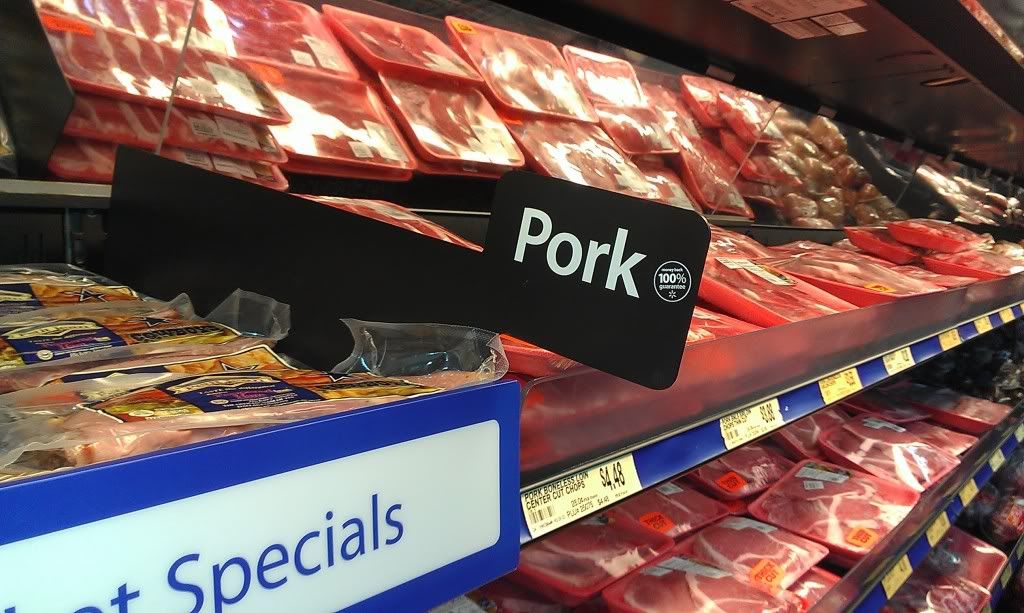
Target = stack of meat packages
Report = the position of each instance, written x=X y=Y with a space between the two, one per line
x=127 y=61
x=973 y=202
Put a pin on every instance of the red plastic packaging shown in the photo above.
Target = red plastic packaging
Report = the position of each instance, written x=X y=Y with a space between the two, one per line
x=813 y=586
x=1004 y=526
x=947 y=281
x=669 y=185
x=977 y=264
x=754 y=166
x=674 y=118
x=578 y=152
x=747 y=114
x=887 y=407
x=934 y=235
x=949 y=408
x=328 y=169
x=708 y=326
x=877 y=241
x=847 y=511
x=707 y=178
x=522 y=73
x=674 y=509
x=636 y=131
x=700 y=94
x=135 y=125
x=574 y=564
x=887 y=451
x=675 y=584
x=162 y=22
x=768 y=557
x=604 y=79
x=949 y=441
x=450 y=124
x=801 y=436
x=742 y=472
x=930 y=592
x=338 y=122
x=505 y=596
x=969 y=557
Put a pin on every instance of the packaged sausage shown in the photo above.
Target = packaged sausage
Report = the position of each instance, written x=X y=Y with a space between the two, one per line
x=605 y=79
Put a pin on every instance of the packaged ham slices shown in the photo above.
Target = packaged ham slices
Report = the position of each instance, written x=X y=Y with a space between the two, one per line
x=451 y=124
x=574 y=564
x=847 y=511
x=947 y=281
x=950 y=441
x=674 y=509
x=668 y=184
x=885 y=406
x=700 y=94
x=635 y=130
x=953 y=409
x=811 y=587
x=801 y=436
x=578 y=152
x=935 y=235
x=676 y=583
x=888 y=451
x=522 y=73
x=877 y=241
x=742 y=472
x=396 y=49
x=976 y=264
x=605 y=79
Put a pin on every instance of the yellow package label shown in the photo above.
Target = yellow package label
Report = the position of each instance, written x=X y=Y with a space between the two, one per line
x=745 y=425
x=949 y=339
x=897 y=576
x=898 y=360
x=983 y=324
x=937 y=529
x=840 y=385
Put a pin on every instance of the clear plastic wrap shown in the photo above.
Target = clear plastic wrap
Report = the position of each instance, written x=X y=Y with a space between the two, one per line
x=522 y=73
x=746 y=113
x=929 y=592
x=636 y=131
x=953 y=409
x=669 y=185
x=700 y=94
x=452 y=124
x=977 y=264
x=888 y=451
x=27 y=292
x=959 y=553
x=1004 y=526
x=848 y=512
x=676 y=584
x=812 y=586
x=674 y=118
x=934 y=235
x=890 y=408
x=708 y=326
x=947 y=281
x=742 y=472
x=576 y=563
x=674 y=509
x=801 y=437
x=708 y=181
x=877 y=241
x=605 y=79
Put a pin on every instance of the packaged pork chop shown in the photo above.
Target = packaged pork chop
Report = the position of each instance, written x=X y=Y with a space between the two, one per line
x=605 y=79
x=847 y=511
x=950 y=441
x=700 y=94
x=673 y=116
x=668 y=184
x=927 y=591
x=673 y=508
x=801 y=437
x=942 y=280
x=709 y=179
x=811 y=587
x=976 y=264
x=935 y=235
x=742 y=472
x=885 y=406
x=635 y=130
x=953 y=409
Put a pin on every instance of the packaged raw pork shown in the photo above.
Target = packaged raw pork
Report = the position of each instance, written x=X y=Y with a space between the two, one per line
x=950 y=441
x=935 y=235
x=708 y=326
x=742 y=472
x=700 y=94
x=847 y=511
x=746 y=113
x=770 y=558
x=605 y=79
x=396 y=49
x=953 y=409
x=976 y=264
x=576 y=563
x=674 y=509
x=635 y=130
x=160 y=21
x=959 y=553
x=888 y=451
x=676 y=584
x=812 y=586
x=877 y=241
x=1004 y=526
x=947 y=281
x=674 y=118
x=927 y=591
x=668 y=184
x=522 y=73
x=801 y=436
x=885 y=406
x=708 y=178
x=451 y=124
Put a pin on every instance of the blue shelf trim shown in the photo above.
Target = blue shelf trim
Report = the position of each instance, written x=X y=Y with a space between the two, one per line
x=1014 y=562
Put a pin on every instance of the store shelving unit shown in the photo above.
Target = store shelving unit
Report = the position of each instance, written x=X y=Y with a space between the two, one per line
x=1002 y=587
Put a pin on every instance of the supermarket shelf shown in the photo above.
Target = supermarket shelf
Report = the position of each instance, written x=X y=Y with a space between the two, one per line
x=577 y=424
x=20 y=193
x=1002 y=586
x=870 y=584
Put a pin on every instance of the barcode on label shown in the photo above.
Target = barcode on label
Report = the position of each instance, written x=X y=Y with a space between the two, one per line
x=539 y=515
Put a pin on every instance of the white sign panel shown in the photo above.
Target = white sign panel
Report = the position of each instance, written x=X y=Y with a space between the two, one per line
x=318 y=538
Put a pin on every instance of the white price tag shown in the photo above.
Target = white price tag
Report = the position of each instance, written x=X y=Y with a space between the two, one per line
x=813 y=485
x=235 y=87
x=898 y=360
x=819 y=473
x=556 y=504
x=233 y=167
x=204 y=127
x=840 y=385
x=745 y=425
x=324 y=52
x=669 y=489
x=303 y=58
x=381 y=139
x=237 y=132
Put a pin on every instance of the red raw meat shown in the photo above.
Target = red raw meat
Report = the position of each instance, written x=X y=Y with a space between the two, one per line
x=673 y=509
x=947 y=281
x=887 y=451
x=1005 y=525
x=329 y=169
x=846 y=511
x=885 y=406
x=935 y=235
x=700 y=94
x=159 y=21
x=677 y=584
x=675 y=119
x=742 y=472
x=574 y=564
x=813 y=585
x=949 y=441
x=507 y=597
x=733 y=244
x=801 y=436
x=604 y=79
x=708 y=174
x=746 y=113
x=447 y=123
x=961 y=554
x=397 y=49
x=768 y=557
x=929 y=592
x=669 y=185
x=977 y=264
x=708 y=326
x=579 y=152
x=949 y=408
x=755 y=166
x=114 y=121
x=635 y=130
x=877 y=241
x=523 y=73
x=338 y=122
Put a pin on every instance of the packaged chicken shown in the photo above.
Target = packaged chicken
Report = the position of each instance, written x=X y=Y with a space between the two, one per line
x=576 y=563
x=605 y=79
x=669 y=185
x=673 y=508
x=947 y=281
x=708 y=178
x=877 y=241
x=935 y=235
x=976 y=264
x=742 y=472
x=676 y=583
x=888 y=451
x=700 y=94
x=522 y=73
x=812 y=586
x=801 y=437
x=450 y=124
x=847 y=511
x=578 y=152
x=953 y=409
x=398 y=50
x=635 y=130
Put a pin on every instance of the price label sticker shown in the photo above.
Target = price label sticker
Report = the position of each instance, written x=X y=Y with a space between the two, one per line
x=657 y=521
x=1006 y=576
x=767 y=575
x=896 y=576
x=898 y=360
x=746 y=425
x=938 y=529
x=949 y=339
x=561 y=502
x=840 y=385
x=997 y=460
x=1019 y=433
x=864 y=538
x=987 y=609
x=731 y=482
x=968 y=492
x=983 y=324
x=1006 y=315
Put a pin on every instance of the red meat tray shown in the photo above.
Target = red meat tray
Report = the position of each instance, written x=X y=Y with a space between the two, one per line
x=708 y=326
x=605 y=79
x=976 y=264
x=674 y=118
x=669 y=185
x=813 y=586
x=636 y=131
x=708 y=178
x=328 y=169
x=747 y=114
x=522 y=73
x=935 y=235
x=969 y=557
x=877 y=241
x=927 y=591
x=890 y=408
x=947 y=281
x=742 y=472
x=801 y=437
x=159 y=21
x=674 y=509
x=949 y=408
x=949 y=441
x=700 y=94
